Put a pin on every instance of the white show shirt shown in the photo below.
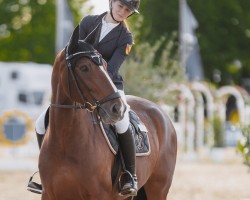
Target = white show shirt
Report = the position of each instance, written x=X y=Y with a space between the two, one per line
x=106 y=28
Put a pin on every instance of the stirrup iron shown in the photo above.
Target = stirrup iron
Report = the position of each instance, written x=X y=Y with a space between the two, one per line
x=127 y=188
x=33 y=186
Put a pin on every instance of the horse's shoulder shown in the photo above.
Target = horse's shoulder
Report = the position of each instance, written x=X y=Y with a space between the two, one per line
x=135 y=99
x=138 y=103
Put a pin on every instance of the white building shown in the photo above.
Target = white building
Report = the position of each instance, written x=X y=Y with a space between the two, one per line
x=25 y=87
x=25 y=91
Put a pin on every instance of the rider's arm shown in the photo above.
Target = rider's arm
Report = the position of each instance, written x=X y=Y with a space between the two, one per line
x=119 y=55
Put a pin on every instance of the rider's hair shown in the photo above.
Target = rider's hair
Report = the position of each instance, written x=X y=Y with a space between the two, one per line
x=126 y=24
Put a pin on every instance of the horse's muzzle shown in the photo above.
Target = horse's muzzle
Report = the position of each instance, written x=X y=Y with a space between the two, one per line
x=112 y=111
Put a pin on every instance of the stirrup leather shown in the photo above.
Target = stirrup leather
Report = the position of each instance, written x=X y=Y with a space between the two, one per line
x=33 y=186
x=128 y=187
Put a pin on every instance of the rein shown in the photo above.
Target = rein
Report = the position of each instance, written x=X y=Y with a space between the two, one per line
x=86 y=105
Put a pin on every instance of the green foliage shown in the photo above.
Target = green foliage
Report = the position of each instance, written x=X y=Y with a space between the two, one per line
x=243 y=145
x=224 y=37
x=223 y=33
x=79 y=13
x=27 y=30
x=158 y=18
x=218 y=132
x=144 y=78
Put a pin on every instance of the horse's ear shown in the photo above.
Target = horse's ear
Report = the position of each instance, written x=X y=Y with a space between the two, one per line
x=91 y=37
x=73 y=41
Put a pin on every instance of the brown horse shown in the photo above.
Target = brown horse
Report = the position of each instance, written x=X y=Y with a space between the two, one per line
x=75 y=162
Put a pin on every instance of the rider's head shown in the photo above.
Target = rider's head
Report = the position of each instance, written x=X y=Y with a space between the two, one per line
x=122 y=9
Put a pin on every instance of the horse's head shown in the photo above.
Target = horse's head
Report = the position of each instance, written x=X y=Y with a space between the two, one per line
x=85 y=81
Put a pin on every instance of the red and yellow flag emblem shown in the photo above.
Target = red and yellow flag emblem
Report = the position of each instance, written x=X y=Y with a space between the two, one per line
x=128 y=48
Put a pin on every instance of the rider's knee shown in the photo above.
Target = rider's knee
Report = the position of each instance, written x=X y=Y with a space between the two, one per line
x=40 y=126
x=122 y=126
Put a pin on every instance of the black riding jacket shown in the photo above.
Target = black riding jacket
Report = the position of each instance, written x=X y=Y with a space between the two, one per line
x=114 y=47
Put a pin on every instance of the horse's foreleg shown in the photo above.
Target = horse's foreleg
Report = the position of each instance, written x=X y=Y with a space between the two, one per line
x=156 y=191
x=158 y=185
x=45 y=196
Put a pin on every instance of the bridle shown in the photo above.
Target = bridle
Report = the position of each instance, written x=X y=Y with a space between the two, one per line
x=97 y=59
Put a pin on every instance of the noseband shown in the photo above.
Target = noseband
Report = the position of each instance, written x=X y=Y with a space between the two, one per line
x=97 y=59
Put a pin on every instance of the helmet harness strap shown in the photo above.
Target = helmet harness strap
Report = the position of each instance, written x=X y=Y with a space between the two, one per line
x=111 y=12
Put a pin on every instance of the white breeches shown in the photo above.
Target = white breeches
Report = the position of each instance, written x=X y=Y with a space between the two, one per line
x=120 y=126
x=40 y=123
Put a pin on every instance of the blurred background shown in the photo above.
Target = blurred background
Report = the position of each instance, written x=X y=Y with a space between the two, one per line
x=191 y=57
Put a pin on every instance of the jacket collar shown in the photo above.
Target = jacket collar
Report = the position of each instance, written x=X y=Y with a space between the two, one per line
x=114 y=33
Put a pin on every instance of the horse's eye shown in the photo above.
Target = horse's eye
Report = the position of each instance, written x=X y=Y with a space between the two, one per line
x=84 y=68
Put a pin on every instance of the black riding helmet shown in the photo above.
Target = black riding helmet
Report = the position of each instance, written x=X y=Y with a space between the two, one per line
x=132 y=4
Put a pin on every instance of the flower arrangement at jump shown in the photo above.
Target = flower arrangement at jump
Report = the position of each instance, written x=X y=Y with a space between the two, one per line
x=243 y=145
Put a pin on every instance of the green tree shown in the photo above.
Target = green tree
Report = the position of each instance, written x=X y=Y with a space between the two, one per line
x=154 y=59
x=79 y=13
x=157 y=19
x=224 y=37
x=27 y=29
x=223 y=33
x=146 y=79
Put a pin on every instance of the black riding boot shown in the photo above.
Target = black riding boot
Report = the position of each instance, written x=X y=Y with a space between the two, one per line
x=127 y=145
x=39 y=139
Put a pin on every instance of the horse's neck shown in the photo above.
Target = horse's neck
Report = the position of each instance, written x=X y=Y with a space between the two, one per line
x=72 y=127
x=69 y=118
x=60 y=82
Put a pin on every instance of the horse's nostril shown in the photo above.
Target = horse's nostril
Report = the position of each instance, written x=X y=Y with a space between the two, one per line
x=116 y=108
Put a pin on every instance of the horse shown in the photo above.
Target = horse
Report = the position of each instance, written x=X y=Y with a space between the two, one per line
x=75 y=162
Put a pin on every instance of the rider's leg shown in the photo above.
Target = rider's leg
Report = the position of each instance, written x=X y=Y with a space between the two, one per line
x=127 y=145
x=41 y=126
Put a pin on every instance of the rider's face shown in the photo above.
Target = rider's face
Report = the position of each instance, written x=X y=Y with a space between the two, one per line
x=120 y=11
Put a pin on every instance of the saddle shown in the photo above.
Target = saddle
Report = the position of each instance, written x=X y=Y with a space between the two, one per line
x=140 y=134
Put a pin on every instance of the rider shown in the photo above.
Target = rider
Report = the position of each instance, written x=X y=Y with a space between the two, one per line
x=113 y=42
